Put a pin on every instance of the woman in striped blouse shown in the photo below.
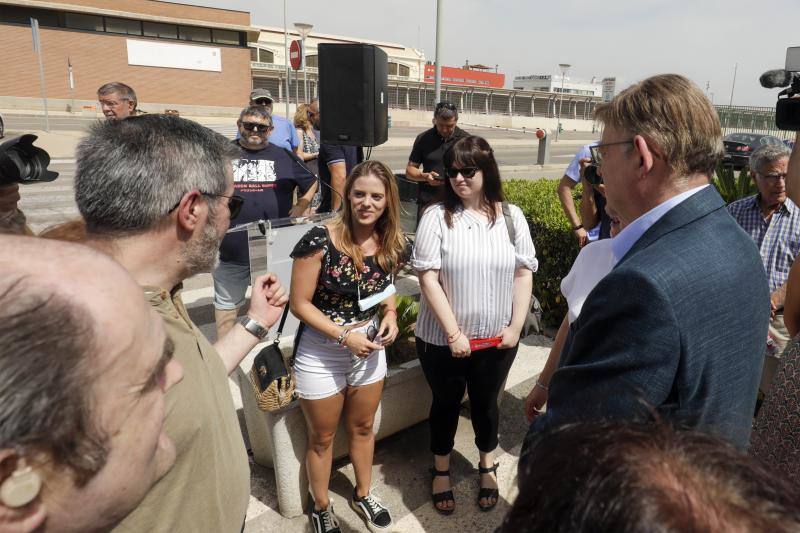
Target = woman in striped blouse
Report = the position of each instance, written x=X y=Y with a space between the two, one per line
x=476 y=289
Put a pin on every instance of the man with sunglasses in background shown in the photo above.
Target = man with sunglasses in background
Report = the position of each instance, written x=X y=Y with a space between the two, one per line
x=156 y=192
x=673 y=330
x=428 y=153
x=773 y=221
x=266 y=176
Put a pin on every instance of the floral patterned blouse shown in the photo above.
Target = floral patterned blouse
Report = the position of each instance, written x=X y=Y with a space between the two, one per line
x=339 y=283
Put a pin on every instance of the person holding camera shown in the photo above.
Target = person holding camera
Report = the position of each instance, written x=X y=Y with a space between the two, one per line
x=342 y=275
x=476 y=283
x=593 y=223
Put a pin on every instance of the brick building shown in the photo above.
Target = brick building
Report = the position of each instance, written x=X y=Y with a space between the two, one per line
x=173 y=55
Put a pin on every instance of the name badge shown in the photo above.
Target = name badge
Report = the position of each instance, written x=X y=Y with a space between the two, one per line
x=371 y=301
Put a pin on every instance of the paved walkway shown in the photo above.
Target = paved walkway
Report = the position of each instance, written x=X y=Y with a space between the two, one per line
x=400 y=471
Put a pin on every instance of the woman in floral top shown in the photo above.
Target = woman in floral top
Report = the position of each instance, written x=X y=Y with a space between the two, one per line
x=342 y=276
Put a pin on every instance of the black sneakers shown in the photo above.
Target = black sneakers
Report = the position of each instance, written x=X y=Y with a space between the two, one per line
x=375 y=515
x=324 y=521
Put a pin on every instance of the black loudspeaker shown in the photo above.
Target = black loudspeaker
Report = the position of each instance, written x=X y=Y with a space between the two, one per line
x=353 y=96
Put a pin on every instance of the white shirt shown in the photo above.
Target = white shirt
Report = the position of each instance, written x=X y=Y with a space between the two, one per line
x=594 y=261
x=476 y=264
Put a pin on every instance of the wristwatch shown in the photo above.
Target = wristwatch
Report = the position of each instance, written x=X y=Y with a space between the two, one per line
x=254 y=327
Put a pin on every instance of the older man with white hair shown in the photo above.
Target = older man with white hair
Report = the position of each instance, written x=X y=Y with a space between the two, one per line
x=773 y=221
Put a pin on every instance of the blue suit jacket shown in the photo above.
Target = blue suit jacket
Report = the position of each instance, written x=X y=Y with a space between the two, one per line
x=679 y=325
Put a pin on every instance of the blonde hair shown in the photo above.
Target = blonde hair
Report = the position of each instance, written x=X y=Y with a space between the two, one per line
x=392 y=243
x=301 y=117
x=674 y=115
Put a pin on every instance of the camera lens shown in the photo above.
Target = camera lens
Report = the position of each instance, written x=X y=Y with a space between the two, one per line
x=590 y=174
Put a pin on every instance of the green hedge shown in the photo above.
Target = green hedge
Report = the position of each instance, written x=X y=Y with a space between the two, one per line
x=556 y=245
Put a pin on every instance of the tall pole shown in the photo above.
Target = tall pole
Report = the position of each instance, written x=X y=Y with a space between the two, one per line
x=286 y=56
x=437 y=84
x=304 y=29
x=564 y=67
x=37 y=47
x=735 y=67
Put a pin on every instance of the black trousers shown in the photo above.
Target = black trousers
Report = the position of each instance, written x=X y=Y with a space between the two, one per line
x=481 y=375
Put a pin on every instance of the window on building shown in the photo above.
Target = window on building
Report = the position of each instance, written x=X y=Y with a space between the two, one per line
x=194 y=33
x=126 y=26
x=392 y=69
x=23 y=15
x=265 y=56
x=226 y=37
x=158 y=29
x=403 y=71
x=312 y=61
x=254 y=54
x=79 y=21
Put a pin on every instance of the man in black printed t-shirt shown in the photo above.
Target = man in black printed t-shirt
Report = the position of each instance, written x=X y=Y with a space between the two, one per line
x=428 y=153
x=266 y=176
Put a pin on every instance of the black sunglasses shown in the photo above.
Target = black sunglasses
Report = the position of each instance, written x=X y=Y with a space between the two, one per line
x=263 y=101
x=467 y=172
x=446 y=105
x=235 y=203
x=252 y=126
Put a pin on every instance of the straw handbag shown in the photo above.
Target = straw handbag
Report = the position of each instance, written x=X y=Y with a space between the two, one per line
x=273 y=383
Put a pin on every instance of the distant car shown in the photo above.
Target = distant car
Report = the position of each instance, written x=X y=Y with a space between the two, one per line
x=739 y=146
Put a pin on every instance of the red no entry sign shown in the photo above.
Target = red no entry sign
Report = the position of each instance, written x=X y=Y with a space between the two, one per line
x=295 y=55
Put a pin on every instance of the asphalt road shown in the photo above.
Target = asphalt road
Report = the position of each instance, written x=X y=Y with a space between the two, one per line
x=508 y=150
x=48 y=204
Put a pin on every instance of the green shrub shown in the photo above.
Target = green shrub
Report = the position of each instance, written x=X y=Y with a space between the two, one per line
x=556 y=246
x=732 y=187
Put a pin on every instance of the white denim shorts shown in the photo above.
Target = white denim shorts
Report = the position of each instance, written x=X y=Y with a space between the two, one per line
x=322 y=368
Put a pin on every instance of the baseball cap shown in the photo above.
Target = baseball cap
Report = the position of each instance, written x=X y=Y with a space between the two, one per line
x=257 y=94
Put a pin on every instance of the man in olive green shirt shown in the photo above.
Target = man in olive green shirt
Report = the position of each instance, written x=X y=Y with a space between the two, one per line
x=157 y=194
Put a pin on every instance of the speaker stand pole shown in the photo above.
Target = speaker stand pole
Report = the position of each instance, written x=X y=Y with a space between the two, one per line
x=286 y=56
x=438 y=74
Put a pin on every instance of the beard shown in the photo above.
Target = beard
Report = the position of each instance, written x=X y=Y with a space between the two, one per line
x=201 y=254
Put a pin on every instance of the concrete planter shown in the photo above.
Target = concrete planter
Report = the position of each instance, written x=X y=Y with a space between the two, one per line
x=279 y=439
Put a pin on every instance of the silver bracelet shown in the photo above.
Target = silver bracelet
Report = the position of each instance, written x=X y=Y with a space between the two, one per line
x=541 y=386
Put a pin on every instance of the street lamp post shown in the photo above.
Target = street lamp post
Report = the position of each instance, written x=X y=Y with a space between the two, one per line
x=304 y=29
x=564 y=67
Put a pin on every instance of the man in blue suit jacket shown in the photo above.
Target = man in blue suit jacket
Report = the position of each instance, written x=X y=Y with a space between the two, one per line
x=679 y=326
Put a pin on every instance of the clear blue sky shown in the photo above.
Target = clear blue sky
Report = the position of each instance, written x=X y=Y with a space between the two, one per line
x=701 y=39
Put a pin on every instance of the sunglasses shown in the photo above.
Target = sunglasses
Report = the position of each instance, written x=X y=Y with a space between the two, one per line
x=467 y=172
x=253 y=126
x=446 y=105
x=372 y=332
x=235 y=202
x=263 y=101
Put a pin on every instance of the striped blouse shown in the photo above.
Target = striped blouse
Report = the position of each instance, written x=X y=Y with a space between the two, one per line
x=476 y=264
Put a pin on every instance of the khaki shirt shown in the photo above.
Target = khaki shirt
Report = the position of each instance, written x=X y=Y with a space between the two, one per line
x=208 y=489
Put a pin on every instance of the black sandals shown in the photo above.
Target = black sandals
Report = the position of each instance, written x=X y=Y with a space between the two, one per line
x=445 y=496
x=485 y=493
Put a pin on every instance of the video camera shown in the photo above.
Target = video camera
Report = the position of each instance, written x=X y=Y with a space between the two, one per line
x=22 y=162
x=787 y=110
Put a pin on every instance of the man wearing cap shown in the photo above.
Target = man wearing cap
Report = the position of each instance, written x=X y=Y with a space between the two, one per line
x=428 y=153
x=283 y=133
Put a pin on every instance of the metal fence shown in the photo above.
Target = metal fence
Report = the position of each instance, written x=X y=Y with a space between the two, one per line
x=751 y=119
x=421 y=96
x=405 y=94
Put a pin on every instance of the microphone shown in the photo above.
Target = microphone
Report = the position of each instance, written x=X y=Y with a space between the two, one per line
x=775 y=78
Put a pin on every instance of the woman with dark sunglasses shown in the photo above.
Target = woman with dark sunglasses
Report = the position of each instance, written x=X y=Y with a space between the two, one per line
x=476 y=290
x=342 y=280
